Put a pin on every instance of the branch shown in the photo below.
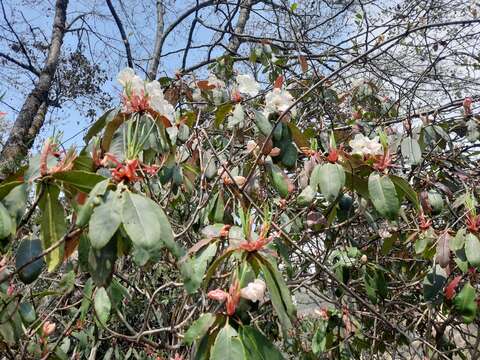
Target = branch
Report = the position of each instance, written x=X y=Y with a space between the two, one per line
x=123 y=34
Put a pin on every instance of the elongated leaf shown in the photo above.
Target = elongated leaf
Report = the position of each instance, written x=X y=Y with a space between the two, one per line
x=279 y=180
x=411 y=151
x=80 y=179
x=6 y=223
x=105 y=220
x=433 y=284
x=52 y=226
x=383 y=195
x=227 y=345
x=99 y=124
x=102 y=305
x=221 y=113
x=194 y=268
x=466 y=304
x=472 y=249
x=279 y=293
x=140 y=221
x=404 y=189
x=331 y=179
x=257 y=346
x=7 y=187
x=102 y=261
x=443 y=250
x=319 y=341
x=94 y=197
x=262 y=123
x=26 y=252
x=199 y=328
x=16 y=202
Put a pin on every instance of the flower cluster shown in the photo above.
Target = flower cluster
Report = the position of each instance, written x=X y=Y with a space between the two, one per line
x=278 y=100
x=128 y=171
x=247 y=85
x=139 y=95
x=254 y=291
x=364 y=146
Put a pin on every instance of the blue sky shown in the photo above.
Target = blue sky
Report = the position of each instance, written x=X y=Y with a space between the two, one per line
x=140 y=30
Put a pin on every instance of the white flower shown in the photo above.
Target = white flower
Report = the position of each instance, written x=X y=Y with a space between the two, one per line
x=247 y=85
x=125 y=76
x=130 y=81
x=213 y=80
x=278 y=100
x=254 y=291
x=153 y=88
x=162 y=106
x=364 y=146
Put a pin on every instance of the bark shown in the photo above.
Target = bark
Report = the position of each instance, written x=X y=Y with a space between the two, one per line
x=243 y=16
x=28 y=124
x=155 y=61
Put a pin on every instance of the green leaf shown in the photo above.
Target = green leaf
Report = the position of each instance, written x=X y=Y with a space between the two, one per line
x=221 y=113
x=16 y=202
x=139 y=216
x=193 y=269
x=52 y=225
x=319 y=341
x=257 y=346
x=279 y=293
x=87 y=299
x=383 y=195
x=279 y=180
x=331 y=179
x=404 y=189
x=262 y=123
x=472 y=249
x=465 y=303
x=6 y=223
x=105 y=220
x=28 y=250
x=7 y=187
x=411 y=151
x=79 y=179
x=433 y=284
x=94 y=197
x=102 y=305
x=199 y=328
x=98 y=125
x=375 y=284
x=306 y=196
x=227 y=345
x=101 y=262
x=67 y=282
x=458 y=241
x=27 y=312
x=147 y=225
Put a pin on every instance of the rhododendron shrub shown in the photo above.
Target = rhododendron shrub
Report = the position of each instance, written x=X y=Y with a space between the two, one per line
x=224 y=218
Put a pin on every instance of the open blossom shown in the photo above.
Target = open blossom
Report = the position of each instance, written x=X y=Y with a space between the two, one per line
x=364 y=146
x=130 y=81
x=254 y=291
x=140 y=96
x=278 y=100
x=247 y=85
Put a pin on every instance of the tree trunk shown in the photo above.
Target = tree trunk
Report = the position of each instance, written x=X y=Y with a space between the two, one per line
x=155 y=61
x=243 y=16
x=30 y=118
